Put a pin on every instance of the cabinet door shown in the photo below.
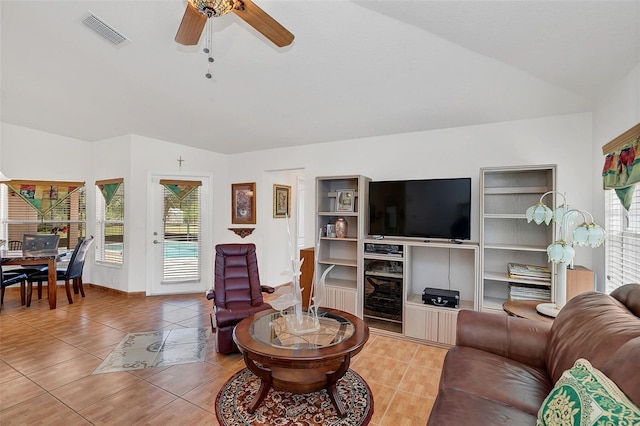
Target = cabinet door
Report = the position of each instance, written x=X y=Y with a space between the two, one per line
x=415 y=322
x=434 y=325
x=343 y=299
x=346 y=300
x=329 y=300
x=447 y=327
x=421 y=323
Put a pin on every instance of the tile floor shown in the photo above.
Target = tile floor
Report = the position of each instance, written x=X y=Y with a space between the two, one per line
x=157 y=349
x=47 y=359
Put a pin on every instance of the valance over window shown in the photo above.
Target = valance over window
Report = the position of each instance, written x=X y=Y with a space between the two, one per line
x=180 y=188
x=108 y=188
x=43 y=196
x=621 y=169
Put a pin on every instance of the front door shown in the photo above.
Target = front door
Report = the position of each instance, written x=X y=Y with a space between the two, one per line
x=180 y=234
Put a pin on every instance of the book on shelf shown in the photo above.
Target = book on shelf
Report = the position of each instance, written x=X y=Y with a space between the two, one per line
x=520 y=291
x=530 y=272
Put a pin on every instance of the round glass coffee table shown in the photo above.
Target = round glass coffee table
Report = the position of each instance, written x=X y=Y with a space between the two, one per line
x=300 y=362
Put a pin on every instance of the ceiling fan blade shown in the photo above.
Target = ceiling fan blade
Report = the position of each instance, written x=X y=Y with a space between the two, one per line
x=265 y=24
x=191 y=26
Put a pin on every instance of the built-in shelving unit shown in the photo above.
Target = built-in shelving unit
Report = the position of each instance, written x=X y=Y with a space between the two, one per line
x=505 y=235
x=402 y=275
x=345 y=278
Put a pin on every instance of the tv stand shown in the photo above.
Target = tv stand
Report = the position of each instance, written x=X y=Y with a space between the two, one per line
x=399 y=276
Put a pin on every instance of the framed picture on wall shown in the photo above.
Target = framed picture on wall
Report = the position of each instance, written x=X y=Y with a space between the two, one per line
x=243 y=203
x=345 y=200
x=281 y=201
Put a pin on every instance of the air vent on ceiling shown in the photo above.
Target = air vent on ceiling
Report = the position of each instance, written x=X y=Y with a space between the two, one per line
x=104 y=29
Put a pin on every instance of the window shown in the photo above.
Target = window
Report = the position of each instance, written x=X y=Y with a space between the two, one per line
x=182 y=227
x=623 y=241
x=43 y=207
x=110 y=221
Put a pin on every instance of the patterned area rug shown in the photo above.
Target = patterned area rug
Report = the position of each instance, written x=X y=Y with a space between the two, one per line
x=288 y=409
x=156 y=348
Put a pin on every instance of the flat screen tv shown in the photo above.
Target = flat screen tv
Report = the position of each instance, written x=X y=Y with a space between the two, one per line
x=426 y=208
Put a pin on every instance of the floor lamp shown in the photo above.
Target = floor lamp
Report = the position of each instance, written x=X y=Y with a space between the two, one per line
x=561 y=252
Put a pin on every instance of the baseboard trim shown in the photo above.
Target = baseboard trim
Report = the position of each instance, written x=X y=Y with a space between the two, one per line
x=115 y=291
x=16 y=288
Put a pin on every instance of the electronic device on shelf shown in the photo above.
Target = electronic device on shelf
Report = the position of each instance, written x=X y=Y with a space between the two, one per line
x=441 y=297
x=427 y=208
x=385 y=249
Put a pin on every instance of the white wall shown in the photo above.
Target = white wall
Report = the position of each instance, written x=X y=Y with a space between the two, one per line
x=275 y=254
x=32 y=154
x=458 y=152
x=110 y=159
x=151 y=156
x=616 y=113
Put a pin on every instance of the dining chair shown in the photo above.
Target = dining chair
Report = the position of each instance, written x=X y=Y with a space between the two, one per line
x=14 y=245
x=10 y=278
x=72 y=273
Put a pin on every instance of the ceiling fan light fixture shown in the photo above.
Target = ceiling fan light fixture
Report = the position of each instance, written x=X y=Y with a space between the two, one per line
x=213 y=8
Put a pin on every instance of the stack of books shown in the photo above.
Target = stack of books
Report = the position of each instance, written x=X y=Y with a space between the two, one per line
x=519 y=291
x=529 y=272
x=529 y=291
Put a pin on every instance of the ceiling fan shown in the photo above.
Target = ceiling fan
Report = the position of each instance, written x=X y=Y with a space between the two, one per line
x=198 y=11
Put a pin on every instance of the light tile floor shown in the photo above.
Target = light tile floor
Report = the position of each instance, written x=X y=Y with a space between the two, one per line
x=47 y=359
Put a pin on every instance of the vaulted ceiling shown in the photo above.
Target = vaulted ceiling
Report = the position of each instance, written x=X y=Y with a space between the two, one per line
x=355 y=69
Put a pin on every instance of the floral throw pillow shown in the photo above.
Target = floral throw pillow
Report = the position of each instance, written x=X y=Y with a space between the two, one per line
x=585 y=396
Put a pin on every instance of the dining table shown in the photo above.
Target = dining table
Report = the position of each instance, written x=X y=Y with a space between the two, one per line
x=20 y=258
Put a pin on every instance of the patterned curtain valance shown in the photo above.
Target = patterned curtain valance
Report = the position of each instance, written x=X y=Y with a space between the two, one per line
x=621 y=171
x=180 y=188
x=43 y=196
x=108 y=188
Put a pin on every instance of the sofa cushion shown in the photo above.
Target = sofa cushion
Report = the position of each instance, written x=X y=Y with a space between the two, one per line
x=592 y=326
x=584 y=396
x=457 y=407
x=495 y=378
x=617 y=368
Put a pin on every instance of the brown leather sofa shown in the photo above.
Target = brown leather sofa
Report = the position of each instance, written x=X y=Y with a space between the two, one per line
x=502 y=368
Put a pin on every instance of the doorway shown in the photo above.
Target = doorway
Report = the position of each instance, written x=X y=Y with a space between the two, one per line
x=180 y=243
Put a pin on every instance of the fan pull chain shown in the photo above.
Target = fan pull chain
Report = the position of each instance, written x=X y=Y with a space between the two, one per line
x=209 y=47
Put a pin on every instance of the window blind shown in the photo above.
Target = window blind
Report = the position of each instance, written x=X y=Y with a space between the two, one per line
x=181 y=246
x=110 y=221
x=622 y=252
x=61 y=210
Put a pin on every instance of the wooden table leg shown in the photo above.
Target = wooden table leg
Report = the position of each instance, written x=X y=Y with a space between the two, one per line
x=52 y=283
x=332 y=389
x=265 y=382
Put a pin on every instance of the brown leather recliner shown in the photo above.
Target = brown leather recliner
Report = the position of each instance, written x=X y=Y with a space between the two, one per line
x=237 y=291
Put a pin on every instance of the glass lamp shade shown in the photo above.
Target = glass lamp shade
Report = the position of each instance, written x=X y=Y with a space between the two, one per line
x=588 y=234
x=213 y=8
x=561 y=252
x=539 y=213
x=565 y=209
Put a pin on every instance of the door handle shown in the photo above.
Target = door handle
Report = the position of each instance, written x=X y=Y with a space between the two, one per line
x=156 y=242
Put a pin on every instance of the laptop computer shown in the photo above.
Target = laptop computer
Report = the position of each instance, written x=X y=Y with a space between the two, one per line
x=40 y=244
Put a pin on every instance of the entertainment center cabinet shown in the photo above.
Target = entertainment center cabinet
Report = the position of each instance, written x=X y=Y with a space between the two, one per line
x=382 y=279
x=397 y=270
